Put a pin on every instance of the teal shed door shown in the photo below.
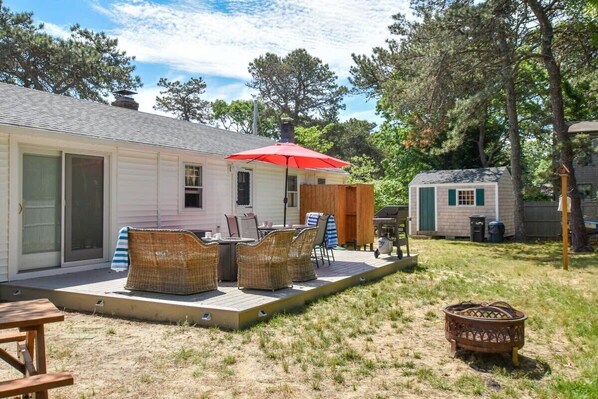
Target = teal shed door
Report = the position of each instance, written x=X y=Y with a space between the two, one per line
x=427 y=215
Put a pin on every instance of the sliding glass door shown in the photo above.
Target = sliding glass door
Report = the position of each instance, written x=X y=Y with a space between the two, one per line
x=40 y=211
x=84 y=217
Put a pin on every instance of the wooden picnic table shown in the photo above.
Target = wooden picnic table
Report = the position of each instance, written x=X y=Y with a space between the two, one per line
x=29 y=317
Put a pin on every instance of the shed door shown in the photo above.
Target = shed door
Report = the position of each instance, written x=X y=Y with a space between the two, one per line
x=427 y=214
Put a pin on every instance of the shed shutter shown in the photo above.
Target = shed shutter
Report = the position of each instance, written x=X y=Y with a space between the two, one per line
x=479 y=197
x=452 y=197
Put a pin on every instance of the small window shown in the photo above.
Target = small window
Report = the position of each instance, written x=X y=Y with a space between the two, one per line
x=292 y=192
x=193 y=186
x=585 y=191
x=465 y=197
x=321 y=180
x=244 y=188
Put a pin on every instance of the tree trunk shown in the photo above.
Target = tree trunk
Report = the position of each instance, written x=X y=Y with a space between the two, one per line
x=579 y=237
x=511 y=108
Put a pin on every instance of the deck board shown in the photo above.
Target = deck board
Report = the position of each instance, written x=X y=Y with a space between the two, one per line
x=102 y=291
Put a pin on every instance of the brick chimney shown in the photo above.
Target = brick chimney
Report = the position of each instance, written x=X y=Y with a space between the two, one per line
x=287 y=130
x=123 y=100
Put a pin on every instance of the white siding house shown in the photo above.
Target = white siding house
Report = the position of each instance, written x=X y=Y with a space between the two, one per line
x=441 y=202
x=73 y=172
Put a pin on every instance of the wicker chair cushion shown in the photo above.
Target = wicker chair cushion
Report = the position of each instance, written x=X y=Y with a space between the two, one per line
x=299 y=263
x=264 y=265
x=171 y=262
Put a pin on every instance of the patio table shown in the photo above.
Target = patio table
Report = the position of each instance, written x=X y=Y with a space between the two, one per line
x=227 y=264
x=265 y=230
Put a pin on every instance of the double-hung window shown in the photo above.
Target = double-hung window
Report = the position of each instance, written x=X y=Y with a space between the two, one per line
x=292 y=192
x=193 y=186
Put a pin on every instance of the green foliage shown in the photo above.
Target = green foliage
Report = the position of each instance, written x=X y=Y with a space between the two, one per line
x=354 y=138
x=298 y=85
x=238 y=116
x=183 y=99
x=86 y=65
x=313 y=137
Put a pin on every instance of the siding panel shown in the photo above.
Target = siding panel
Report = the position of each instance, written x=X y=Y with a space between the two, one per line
x=137 y=189
x=4 y=171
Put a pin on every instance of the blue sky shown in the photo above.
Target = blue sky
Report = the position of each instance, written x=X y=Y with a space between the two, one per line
x=216 y=40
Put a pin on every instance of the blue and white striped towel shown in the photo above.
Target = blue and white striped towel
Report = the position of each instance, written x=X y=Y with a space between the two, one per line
x=120 y=260
x=331 y=237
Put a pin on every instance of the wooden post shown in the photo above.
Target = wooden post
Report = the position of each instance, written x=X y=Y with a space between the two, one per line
x=564 y=173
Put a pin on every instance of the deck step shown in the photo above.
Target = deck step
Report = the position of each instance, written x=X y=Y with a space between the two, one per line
x=34 y=383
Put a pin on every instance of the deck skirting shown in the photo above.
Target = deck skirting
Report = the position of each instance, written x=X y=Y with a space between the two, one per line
x=101 y=291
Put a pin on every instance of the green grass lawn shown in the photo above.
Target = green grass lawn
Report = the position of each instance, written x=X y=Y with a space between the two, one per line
x=394 y=327
x=382 y=339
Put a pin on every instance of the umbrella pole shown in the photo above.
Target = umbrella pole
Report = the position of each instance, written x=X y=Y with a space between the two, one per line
x=286 y=186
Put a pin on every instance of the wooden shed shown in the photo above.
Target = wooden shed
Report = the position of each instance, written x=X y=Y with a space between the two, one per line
x=352 y=206
x=442 y=201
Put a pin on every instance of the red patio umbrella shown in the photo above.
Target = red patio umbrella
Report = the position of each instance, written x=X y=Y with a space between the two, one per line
x=289 y=154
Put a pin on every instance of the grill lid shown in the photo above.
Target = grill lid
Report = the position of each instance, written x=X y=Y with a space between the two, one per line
x=393 y=211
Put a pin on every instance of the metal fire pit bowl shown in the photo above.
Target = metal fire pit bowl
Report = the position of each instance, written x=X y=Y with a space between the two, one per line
x=485 y=327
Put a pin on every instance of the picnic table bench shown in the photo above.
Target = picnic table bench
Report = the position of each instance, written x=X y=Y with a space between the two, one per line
x=29 y=318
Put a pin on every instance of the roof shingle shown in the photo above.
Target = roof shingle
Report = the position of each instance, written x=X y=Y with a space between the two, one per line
x=35 y=109
x=481 y=175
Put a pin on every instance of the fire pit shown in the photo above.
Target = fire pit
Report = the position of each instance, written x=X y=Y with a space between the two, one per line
x=492 y=328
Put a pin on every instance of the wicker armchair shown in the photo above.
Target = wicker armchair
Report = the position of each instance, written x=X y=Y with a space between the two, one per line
x=263 y=265
x=300 y=266
x=171 y=262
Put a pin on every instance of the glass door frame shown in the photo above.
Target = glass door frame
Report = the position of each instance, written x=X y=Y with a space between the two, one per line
x=26 y=148
x=106 y=211
x=46 y=259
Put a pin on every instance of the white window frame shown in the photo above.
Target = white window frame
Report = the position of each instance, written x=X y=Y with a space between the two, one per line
x=458 y=199
x=185 y=186
x=293 y=194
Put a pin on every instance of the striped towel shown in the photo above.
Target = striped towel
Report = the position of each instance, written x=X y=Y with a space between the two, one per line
x=331 y=237
x=120 y=260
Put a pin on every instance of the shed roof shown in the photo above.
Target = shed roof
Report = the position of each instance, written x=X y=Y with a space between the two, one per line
x=481 y=175
x=583 y=127
x=35 y=109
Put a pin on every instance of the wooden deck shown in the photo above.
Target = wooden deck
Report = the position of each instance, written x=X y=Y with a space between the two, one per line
x=102 y=291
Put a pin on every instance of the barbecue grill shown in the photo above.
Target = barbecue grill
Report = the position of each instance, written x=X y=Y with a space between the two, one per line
x=391 y=222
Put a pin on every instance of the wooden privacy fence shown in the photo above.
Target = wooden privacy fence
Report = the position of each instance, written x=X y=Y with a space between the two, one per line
x=351 y=204
x=543 y=220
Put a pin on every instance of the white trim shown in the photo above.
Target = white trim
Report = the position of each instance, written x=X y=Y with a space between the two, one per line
x=496 y=204
x=435 y=208
x=454 y=184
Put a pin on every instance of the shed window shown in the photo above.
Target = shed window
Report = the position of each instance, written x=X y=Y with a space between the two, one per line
x=193 y=186
x=321 y=180
x=292 y=192
x=465 y=197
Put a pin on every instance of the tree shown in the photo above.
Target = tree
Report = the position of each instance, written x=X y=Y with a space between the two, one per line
x=183 y=99
x=238 y=116
x=578 y=233
x=298 y=85
x=445 y=77
x=353 y=138
x=86 y=65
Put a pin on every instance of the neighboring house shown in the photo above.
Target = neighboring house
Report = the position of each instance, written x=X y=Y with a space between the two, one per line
x=587 y=175
x=73 y=172
x=441 y=202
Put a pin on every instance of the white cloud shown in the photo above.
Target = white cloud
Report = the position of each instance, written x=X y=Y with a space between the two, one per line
x=220 y=38
x=56 y=30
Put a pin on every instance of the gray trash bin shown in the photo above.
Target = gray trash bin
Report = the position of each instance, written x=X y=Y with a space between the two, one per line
x=477 y=228
x=496 y=231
